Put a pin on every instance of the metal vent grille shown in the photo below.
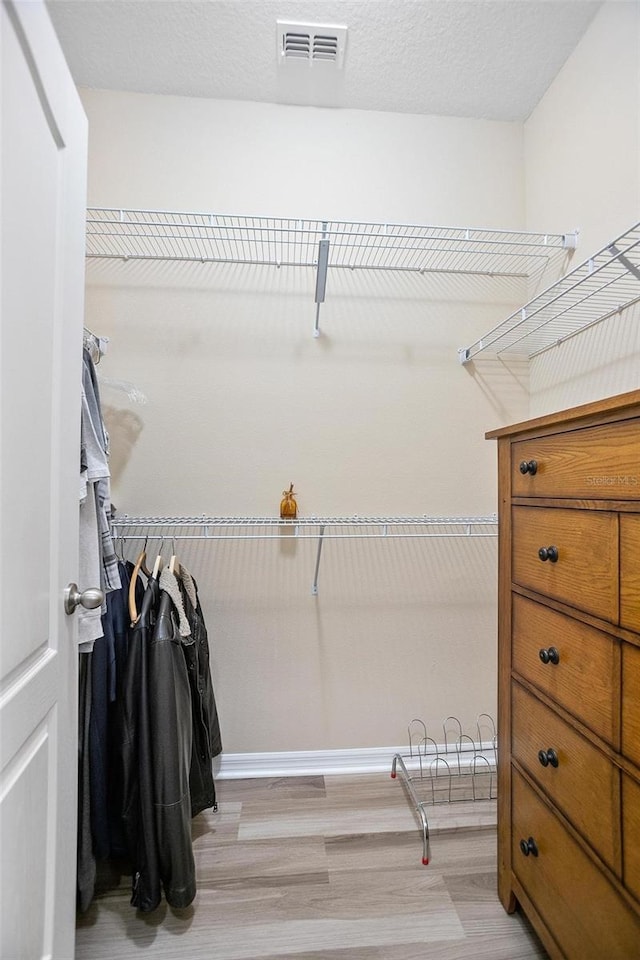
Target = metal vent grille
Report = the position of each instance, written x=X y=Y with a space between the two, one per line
x=296 y=44
x=325 y=47
x=311 y=43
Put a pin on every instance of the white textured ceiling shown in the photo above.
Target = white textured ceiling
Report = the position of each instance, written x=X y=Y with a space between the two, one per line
x=489 y=59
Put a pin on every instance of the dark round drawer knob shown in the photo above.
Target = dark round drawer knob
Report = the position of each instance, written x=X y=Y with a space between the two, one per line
x=548 y=553
x=529 y=466
x=550 y=655
x=548 y=758
x=529 y=847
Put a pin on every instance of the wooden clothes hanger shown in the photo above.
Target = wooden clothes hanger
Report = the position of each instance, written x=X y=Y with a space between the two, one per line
x=174 y=563
x=140 y=565
x=157 y=565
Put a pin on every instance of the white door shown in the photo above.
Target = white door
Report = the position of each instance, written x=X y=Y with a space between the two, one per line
x=43 y=198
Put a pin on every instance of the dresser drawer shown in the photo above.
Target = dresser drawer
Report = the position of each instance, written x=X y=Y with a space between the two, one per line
x=585 y=574
x=630 y=571
x=596 y=462
x=631 y=702
x=585 y=680
x=580 y=780
x=631 y=834
x=582 y=910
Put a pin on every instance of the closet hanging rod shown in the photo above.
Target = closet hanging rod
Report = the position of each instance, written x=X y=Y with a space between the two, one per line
x=336 y=245
x=467 y=272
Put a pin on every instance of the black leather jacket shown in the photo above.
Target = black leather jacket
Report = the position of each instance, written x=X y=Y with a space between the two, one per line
x=171 y=725
x=157 y=725
x=206 y=728
x=138 y=810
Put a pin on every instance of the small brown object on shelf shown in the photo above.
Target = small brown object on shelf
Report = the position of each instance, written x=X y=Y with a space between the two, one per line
x=288 y=505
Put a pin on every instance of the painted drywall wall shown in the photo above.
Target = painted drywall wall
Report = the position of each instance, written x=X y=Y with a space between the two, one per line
x=376 y=417
x=582 y=150
x=269 y=160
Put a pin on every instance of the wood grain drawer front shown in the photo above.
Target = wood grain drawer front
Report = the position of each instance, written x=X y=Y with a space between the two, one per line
x=631 y=702
x=580 y=907
x=631 y=834
x=580 y=780
x=585 y=574
x=597 y=462
x=630 y=571
x=586 y=678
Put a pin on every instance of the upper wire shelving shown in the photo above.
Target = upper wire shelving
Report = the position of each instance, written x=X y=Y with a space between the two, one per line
x=605 y=284
x=303 y=528
x=161 y=235
x=323 y=245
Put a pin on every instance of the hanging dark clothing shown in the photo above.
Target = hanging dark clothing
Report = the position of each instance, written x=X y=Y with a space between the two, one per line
x=206 y=728
x=86 y=864
x=199 y=633
x=155 y=726
x=138 y=811
x=117 y=627
x=171 y=736
x=98 y=741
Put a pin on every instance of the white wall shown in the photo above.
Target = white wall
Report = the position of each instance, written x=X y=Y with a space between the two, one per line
x=263 y=159
x=582 y=150
x=375 y=418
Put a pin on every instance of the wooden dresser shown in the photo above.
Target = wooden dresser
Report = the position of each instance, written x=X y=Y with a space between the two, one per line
x=569 y=677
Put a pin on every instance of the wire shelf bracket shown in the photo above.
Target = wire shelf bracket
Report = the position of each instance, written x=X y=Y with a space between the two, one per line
x=306 y=528
x=604 y=285
x=323 y=245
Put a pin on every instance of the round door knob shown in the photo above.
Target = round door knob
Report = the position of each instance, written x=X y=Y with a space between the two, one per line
x=550 y=655
x=529 y=466
x=90 y=598
x=529 y=847
x=548 y=553
x=548 y=758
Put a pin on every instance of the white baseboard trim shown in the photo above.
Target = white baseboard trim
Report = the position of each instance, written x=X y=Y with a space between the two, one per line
x=300 y=763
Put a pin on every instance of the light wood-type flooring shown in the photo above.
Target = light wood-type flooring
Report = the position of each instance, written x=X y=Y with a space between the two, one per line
x=323 y=868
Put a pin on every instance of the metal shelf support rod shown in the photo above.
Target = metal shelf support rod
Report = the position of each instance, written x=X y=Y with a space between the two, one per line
x=321 y=276
x=314 y=588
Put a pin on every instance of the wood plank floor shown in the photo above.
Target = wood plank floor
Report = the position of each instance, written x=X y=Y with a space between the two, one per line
x=323 y=868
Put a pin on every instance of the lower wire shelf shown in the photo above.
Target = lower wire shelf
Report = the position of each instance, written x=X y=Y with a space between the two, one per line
x=462 y=768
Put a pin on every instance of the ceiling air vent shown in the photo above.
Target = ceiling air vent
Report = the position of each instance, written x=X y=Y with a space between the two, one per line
x=311 y=43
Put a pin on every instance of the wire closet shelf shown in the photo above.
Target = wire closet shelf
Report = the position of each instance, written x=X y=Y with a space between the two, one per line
x=605 y=284
x=318 y=528
x=209 y=237
x=320 y=244
x=274 y=528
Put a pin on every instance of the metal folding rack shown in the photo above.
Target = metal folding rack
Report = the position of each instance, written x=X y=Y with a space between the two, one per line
x=273 y=528
x=324 y=245
x=603 y=285
x=462 y=768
